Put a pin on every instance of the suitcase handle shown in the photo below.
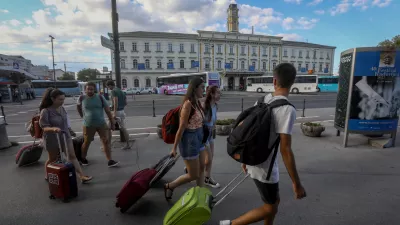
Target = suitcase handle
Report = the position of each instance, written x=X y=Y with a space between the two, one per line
x=60 y=147
x=228 y=185
x=164 y=166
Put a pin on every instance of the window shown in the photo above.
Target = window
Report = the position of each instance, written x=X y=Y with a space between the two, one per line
x=264 y=50
x=147 y=63
x=207 y=48
x=170 y=47
x=134 y=47
x=182 y=64
x=231 y=62
x=146 y=47
x=136 y=83
x=181 y=48
x=242 y=50
x=230 y=49
x=170 y=62
x=306 y=79
x=124 y=83
x=315 y=54
x=192 y=64
x=273 y=65
x=134 y=62
x=253 y=64
x=299 y=67
x=307 y=66
x=148 y=82
x=219 y=64
x=122 y=63
x=159 y=65
x=207 y=64
x=320 y=67
x=254 y=50
x=300 y=54
x=327 y=55
x=121 y=46
x=242 y=65
x=308 y=54
x=219 y=49
x=158 y=47
x=264 y=65
x=284 y=52
x=275 y=52
x=327 y=66
x=313 y=66
x=192 y=48
x=321 y=55
x=293 y=53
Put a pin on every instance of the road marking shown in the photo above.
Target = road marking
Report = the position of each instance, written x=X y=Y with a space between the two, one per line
x=12 y=115
x=306 y=117
x=22 y=112
x=322 y=121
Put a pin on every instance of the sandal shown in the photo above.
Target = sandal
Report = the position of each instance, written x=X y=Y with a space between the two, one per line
x=86 y=179
x=166 y=189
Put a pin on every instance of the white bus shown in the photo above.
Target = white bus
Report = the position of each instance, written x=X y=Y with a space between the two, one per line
x=177 y=84
x=302 y=84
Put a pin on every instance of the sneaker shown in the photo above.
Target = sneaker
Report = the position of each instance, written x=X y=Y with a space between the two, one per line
x=126 y=148
x=112 y=163
x=84 y=162
x=225 y=222
x=211 y=182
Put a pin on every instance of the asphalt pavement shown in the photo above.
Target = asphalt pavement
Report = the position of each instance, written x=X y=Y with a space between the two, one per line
x=355 y=185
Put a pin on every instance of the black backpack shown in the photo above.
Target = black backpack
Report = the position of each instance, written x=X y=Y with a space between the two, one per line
x=248 y=142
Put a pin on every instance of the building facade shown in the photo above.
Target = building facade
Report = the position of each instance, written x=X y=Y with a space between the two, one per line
x=148 y=55
x=40 y=70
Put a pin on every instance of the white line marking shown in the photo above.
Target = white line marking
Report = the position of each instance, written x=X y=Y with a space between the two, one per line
x=12 y=115
x=332 y=115
x=306 y=117
x=22 y=112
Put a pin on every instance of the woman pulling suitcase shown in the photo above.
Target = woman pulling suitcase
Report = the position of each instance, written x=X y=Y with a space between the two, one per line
x=53 y=120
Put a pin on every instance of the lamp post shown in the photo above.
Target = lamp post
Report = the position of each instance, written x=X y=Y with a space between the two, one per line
x=52 y=53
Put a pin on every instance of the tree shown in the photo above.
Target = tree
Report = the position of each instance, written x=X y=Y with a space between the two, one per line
x=88 y=74
x=67 y=76
x=394 y=43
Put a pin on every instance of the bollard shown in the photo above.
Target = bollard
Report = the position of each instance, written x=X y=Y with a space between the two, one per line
x=154 y=109
x=4 y=115
x=242 y=104
x=304 y=107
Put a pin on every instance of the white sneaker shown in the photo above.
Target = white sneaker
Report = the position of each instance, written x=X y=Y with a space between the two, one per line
x=225 y=222
x=211 y=182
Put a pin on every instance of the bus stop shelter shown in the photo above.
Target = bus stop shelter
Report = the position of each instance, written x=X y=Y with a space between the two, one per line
x=13 y=78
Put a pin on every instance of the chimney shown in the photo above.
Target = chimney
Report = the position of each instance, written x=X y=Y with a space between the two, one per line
x=252 y=29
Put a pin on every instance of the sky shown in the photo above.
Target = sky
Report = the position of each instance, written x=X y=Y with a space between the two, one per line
x=77 y=25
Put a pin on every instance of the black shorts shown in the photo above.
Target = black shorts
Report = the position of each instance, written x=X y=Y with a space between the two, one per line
x=269 y=192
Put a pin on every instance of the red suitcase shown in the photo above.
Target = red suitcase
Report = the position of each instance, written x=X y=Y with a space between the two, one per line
x=134 y=189
x=62 y=177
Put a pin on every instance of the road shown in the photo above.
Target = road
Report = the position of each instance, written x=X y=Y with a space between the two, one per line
x=142 y=105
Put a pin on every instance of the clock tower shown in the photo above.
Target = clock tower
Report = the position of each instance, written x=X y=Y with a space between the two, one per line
x=233 y=18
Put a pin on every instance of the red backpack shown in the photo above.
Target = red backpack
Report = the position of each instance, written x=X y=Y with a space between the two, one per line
x=170 y=124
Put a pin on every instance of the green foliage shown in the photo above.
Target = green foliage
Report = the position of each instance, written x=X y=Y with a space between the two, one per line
x=394 y=43
x=88 y=74
x=67 y=76
x=312 y=124
x=225 y=122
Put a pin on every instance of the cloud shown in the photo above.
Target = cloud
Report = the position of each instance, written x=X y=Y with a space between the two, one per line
x=342 y=7
x=315 y=2
x=29 y=22
x=14 y=22
x=290 y=37
x=363 y=4
x=381 y=3
x=319 y=12
x=293 y=1
x=4 y=11
x=302 y=23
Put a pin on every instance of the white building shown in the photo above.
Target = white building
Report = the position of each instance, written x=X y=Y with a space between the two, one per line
x=41 y=71
x=16 y=61
x=145 y=55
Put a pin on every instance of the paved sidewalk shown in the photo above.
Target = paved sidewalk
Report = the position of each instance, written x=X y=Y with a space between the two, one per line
x=355 y=185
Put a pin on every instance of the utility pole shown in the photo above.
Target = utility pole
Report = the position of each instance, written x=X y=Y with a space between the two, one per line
x=52 y=53
x=117 y=65
x=65 y=67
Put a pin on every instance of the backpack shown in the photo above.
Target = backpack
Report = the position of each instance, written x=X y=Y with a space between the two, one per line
x=33 y=127
x=170 y=124
x=247 y=142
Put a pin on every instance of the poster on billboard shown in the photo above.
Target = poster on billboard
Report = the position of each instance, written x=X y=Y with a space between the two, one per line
x=375 y=97
x=346 y=60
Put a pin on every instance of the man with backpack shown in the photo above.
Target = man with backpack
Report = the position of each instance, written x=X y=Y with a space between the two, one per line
x=271 y=121
x=91 y=108
x=118 y=103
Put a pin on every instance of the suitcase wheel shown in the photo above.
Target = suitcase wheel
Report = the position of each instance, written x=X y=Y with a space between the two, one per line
x=52 y=197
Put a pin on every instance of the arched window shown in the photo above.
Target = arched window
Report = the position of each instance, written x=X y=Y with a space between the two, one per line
x=148 y=82
x=136 y=82
x=122 y=63
x=134 y=64
x=147 y=62
x=124 y=83
x=182 y=64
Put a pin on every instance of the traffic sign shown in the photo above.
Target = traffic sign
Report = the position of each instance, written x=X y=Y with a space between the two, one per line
x=107 y=43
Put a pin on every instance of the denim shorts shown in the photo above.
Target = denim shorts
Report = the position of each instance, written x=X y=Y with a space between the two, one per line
x=190 y=144
x=210 y=138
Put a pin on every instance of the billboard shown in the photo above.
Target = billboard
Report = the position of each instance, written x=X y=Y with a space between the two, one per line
x=368 y=99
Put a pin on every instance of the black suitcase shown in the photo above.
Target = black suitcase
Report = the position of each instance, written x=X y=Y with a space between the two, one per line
x=163 y=167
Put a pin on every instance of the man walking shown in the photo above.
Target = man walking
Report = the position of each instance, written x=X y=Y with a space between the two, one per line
x=283 y=121
x=118 y=103
x=91 y=108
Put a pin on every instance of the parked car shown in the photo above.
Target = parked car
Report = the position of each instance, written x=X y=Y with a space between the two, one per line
x=147 y=90
x=132 y=91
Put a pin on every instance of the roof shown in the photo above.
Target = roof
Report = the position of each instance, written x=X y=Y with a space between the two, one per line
x=305 y=44
x=150 y=34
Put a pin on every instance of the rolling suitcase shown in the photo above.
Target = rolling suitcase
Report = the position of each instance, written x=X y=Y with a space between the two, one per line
x=78 y=142
x=134 y=189
x=163 y=167
x=196 y=205
x=62 y=177
x=29 y=154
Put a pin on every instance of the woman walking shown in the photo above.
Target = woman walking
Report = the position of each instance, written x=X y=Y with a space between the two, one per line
x=54 y=120
x=210 y=109
x=189 y=137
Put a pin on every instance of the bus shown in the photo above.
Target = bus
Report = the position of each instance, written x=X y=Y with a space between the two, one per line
x=328 y=83
x=70 y=87
x=177 y=84
x=302 y=84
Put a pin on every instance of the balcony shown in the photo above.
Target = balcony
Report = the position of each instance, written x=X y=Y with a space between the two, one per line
x=135 y=51
x=159 y=51
x=147 y=51
x=181 y=52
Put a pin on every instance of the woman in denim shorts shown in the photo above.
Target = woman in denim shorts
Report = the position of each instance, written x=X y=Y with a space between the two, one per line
x=189 y=137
